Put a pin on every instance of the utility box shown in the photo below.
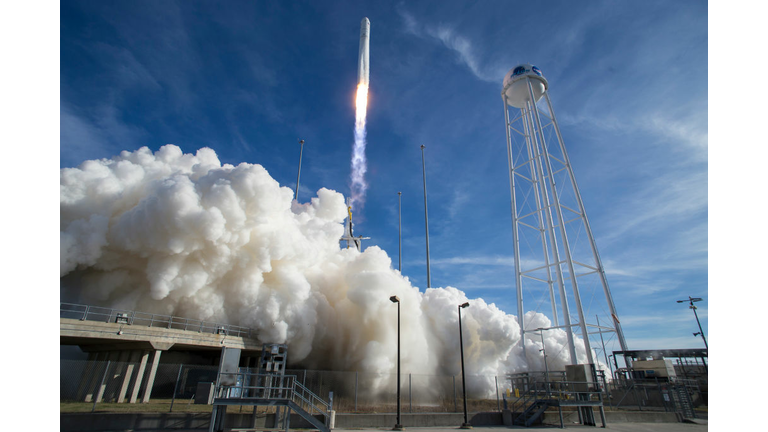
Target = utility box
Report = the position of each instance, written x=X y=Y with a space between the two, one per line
x=580 y=377
x=204 y=393
x=654 y=368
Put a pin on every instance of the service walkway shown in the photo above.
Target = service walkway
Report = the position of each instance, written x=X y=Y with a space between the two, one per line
x=137 y=340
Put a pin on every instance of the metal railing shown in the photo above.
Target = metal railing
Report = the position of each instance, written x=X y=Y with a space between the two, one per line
x=130 y=317
x=540 y=390
x=254 y=386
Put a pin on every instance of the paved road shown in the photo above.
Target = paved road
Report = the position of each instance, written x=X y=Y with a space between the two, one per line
x=616 y=427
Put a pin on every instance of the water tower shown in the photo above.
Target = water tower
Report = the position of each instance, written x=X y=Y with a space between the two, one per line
x=557 y=266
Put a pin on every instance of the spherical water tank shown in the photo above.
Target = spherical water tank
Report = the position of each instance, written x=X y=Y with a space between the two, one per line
x=515 y=85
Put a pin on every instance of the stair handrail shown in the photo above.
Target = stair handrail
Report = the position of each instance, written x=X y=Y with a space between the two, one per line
x=288 y=388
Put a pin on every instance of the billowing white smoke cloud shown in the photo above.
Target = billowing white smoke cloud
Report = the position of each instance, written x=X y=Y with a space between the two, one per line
x=183 y=234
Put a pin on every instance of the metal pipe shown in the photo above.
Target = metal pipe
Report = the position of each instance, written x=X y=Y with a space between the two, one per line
x=176 y=388
x=426 y=217
x=602 y=342
x=399 y=425
x=701 y=332
x=515 y=239
x=466 y=424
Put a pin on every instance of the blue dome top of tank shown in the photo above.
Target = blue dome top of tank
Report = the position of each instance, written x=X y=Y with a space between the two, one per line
x=513 y=89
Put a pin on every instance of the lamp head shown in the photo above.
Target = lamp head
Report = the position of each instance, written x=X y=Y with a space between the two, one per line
x=464 y=305
x=394 y=299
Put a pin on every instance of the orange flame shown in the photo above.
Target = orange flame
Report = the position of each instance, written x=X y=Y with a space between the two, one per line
x=361 y=103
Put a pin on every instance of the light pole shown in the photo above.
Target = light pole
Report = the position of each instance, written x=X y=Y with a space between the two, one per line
x=543 y=350
x=692 y=300
x=426 y=217
x=399 y=425
x=466 y=424
x=301 y=153
x=400 y=232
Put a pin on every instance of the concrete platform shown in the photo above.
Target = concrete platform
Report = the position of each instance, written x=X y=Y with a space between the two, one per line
x=110 y=336
x=178 y=422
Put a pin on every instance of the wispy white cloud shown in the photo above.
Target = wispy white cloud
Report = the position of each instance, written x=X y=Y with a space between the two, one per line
x=466 y=52
x=665 y=200
x=101 y=134
x=688 y=132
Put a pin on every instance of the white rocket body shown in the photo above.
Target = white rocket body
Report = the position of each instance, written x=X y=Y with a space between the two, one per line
x=363 y=66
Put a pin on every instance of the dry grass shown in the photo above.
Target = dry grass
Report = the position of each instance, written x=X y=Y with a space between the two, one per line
x=343 y=406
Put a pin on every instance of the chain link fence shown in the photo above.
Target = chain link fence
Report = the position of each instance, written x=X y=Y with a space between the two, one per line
x=111 y=386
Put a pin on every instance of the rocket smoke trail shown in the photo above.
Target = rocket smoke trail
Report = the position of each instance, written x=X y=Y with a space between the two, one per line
x=359 y=165
x=183 y=234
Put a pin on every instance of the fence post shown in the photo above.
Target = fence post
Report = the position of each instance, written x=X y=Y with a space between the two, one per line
x=99 y=392
x=355 y=391
x=455 y=403
x=410 y=394
x=176 y=387
x=498 y=402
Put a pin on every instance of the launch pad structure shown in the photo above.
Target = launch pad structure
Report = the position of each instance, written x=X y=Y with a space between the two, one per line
x=556 y=257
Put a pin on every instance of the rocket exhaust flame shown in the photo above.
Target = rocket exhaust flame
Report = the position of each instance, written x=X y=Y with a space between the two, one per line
x=359 y=163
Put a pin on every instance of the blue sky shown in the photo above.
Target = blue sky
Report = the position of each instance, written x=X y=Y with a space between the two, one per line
x=628 y=81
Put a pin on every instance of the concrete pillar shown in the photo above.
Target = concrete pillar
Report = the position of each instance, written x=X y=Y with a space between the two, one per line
x=133 y=358
x=82 y=388
x=151 y=376
x=139 y=376
x=94 y=377
x=112 y=357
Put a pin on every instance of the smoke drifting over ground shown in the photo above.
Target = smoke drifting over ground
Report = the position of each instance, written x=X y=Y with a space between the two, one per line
x=183 y=234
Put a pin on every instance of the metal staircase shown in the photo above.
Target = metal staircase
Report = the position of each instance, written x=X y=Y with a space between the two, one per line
x=532 y=413
x=535 y=395
x=285 y=391
x=269 y=387
x=681 y=400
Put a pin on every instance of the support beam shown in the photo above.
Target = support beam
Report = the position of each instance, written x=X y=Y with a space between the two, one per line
x=94 y=376
x=151 y=376
x=132 y=359
x=139 y=376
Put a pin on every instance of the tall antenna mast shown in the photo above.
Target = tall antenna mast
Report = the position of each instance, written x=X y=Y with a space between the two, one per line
x=426 y=217
x=301 y=153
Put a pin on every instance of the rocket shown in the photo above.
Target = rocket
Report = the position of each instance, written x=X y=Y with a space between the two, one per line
x=363 y=66
x=349 y=237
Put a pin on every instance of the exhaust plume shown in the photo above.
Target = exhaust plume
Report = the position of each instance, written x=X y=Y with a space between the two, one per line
x=358 y=185
x=359 y=163
x=182 y=234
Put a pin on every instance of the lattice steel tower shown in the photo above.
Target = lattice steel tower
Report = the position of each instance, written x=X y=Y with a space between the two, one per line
x=552 y=238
